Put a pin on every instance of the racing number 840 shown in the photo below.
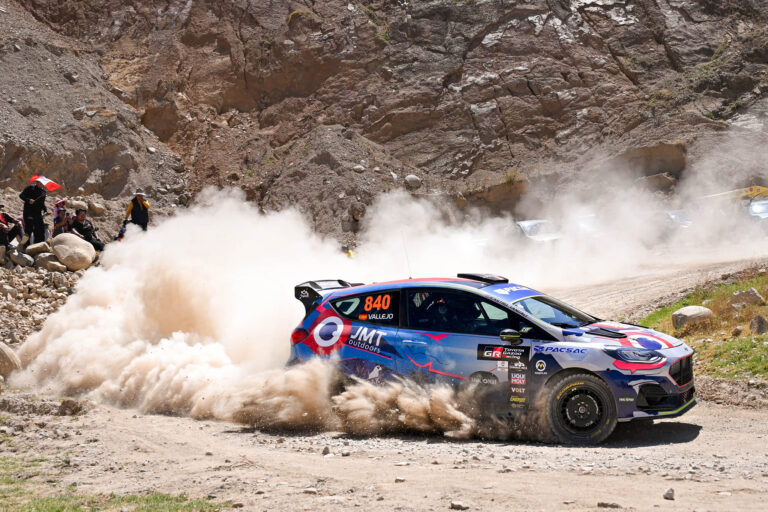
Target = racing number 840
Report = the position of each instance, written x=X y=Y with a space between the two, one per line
x=381 y=302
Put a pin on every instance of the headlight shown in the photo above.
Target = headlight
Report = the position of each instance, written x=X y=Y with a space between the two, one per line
x=635 y=355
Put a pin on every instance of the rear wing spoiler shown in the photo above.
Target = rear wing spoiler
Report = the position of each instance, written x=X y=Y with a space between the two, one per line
x=312 y=291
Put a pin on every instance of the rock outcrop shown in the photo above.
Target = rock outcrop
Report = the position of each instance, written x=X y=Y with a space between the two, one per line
x=320 y=104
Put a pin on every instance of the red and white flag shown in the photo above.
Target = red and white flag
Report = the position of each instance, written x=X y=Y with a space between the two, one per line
x=48 y=184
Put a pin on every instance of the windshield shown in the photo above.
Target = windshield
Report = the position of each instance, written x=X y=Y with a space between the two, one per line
x=554 y=312
x=543 y=227
x=759 y=207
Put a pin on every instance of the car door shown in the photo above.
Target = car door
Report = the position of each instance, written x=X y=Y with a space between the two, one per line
x=370 y=347
x=459 y=340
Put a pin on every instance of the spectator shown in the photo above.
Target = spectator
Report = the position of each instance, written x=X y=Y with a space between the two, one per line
x=83 y=228
x=60 y=204
x=138 y=210
x=10 y=228
x=61 y=221
x=34 y=206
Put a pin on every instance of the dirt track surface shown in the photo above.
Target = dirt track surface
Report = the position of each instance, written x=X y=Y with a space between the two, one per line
x=715 y=457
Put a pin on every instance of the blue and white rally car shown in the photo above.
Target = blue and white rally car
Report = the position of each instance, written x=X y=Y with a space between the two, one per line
x=582 y=373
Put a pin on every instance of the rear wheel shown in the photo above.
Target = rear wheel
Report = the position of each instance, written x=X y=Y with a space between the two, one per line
x=580 y=409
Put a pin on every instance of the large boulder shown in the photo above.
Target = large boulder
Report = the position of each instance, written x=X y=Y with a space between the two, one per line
x=96 y=209
x=21 y=259
x=9 y=361
x=35 y=249
x=691 y=315
x=74 y=252
x=750 y=296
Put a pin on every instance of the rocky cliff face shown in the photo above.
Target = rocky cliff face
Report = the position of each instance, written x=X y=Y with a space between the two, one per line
x=325 y=104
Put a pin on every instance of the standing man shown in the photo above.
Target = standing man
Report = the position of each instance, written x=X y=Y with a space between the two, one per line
x=138 y=210
x=34 y=206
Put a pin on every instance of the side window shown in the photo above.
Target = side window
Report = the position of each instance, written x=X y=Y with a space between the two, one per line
x=450 y=311
x=528 y=329
x=381 y=308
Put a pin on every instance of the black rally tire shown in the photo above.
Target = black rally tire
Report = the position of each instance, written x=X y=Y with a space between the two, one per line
x=580 y=409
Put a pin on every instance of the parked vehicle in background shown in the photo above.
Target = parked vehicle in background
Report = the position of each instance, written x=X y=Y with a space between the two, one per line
x=538 y=230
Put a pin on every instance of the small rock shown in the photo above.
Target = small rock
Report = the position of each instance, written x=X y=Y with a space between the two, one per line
x=310 y=490
x=35 y=249
x=96 y=209
x=669 y=494
x=737 y=331
x=345 y=453
x=399 y=479
x=412 y=182
x=758 y=325
x=606 y=504
x=403 y=463
x=69 y=407
x=458 y=505
x=238 y=505
x=359 y=168
x=326 y=450
x=691 y=315
x=750 y=296
x=21 y=259
x=208 y=454
x=71 y=76
x=9 y=361
x=152 y=150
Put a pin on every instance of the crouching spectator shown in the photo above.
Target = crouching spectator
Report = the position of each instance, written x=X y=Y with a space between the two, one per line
x=83 y=228
x=10 y=228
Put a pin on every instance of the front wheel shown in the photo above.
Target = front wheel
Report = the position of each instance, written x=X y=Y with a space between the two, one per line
x=580 y=409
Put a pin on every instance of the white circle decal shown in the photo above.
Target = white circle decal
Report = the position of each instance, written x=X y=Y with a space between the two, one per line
x=328 y=331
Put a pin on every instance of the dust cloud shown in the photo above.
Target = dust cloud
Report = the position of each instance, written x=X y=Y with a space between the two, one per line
x=194 y=316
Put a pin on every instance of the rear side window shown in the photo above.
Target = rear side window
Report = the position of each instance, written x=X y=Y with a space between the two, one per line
x=451 y=311
x=382 y=308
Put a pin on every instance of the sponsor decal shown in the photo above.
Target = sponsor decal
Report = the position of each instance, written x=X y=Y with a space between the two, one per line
x=502 y=365
x=328 y=332
x=328 y=335
x=517 y=399
x=566 y=388
x=362 y=317
x=626 y=399
x=304 y=294
x=495 y=352
x=484 y=378
x=517 y=378
x=546 y=349
x=370 y=340
x=518 y=390
x=541 y=366
x=509 y=289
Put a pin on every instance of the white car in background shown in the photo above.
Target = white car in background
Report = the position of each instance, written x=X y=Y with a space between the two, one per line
x=538 y=230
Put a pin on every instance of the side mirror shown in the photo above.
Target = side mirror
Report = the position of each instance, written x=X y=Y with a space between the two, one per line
x=510 y=336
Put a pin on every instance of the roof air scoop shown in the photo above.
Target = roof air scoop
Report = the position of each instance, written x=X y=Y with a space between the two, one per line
x=484 y=278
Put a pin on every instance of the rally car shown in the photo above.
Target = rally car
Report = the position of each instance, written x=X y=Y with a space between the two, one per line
x=583 y=373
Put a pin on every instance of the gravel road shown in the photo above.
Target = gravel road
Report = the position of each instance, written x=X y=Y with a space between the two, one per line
x=714 y=458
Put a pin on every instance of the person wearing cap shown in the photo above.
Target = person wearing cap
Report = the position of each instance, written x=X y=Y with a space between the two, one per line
x=34 y=207
x=83 y=228
x=138 y=210
x=10 y=228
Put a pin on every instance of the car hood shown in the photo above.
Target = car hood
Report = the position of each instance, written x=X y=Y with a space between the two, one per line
x=621 y=335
